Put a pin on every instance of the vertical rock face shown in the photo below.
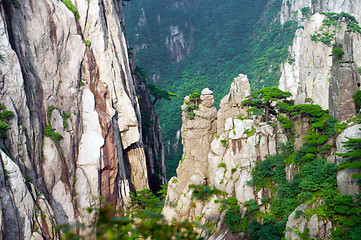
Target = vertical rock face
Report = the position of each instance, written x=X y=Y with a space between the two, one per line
x=76 y=134
x=315 y=73
x=197 y=134
x=178 y=45
x=308 y=76
x=291 y=9
x=345 y=79
x=151 y=138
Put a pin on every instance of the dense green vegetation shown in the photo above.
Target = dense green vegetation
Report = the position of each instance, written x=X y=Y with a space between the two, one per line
x=353 y=157
x=72 y=8
x=260 y=101
x=226 y=38
x=314 y=180
x=331 y=24
x=5 y=116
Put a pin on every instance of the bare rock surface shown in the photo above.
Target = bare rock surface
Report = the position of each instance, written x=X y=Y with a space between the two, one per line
x=76 y=132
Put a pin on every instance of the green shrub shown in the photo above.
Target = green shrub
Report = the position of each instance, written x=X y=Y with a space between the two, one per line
x=326 y=36
x=5 y=117
x=299 y=213
x=51 y=108
x=337 y=53
x=260 y=102
x=15 y=3
x=195 y=97
x=268 y=231
x=27 y=179
x=65 y=116
x=309 y=100
x=72 y=8
x=357 y=98
x=250 y=132
x=144 y=199
x=204 y=192
x=353 y=156
x=240 y=117
x=159 y=93
x=222 y=164
x=318 y=175
x=251 y=205
x=49 y=132
x=306 y=12
x=144 y=223
x=233 y=214
x=287 y=123
x=88 y=43
x=224 y=142
x=268 y=170
x=3 y=130
x=193 y=103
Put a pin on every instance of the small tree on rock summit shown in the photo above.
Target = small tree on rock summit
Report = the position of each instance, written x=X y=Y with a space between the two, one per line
x=260 y=102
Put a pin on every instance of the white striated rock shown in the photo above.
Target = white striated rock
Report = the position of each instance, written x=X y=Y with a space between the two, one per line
x=242 y=190
x=349 y=6
x=308 y=76
x=88 y=163
x=16 y=201
x=313 y=226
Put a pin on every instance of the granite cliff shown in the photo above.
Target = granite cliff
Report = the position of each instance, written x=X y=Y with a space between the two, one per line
x=76 y=133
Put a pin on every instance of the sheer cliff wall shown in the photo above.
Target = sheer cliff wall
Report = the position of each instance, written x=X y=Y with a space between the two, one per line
x=67 y=73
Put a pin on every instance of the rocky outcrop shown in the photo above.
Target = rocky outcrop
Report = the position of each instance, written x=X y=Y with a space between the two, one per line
x=76 y=134
x=345 y=79
x=292 y=9
x=178 y=45
x=308 y=76
x=314 y=68
x=318 y=228
x=220 y=152
x=197 y=134
x=315 y=73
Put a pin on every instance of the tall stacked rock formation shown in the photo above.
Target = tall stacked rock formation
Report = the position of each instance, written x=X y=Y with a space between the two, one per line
x=211 y=151
x=68 y=73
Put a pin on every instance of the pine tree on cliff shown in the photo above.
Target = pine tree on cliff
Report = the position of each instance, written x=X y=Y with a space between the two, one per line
x=352 y=156
x=260 y=102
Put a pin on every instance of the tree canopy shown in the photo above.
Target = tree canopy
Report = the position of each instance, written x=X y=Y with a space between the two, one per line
x=353 y=156
x=159 y=93
x=260 y=102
